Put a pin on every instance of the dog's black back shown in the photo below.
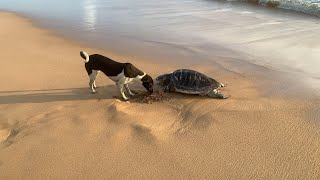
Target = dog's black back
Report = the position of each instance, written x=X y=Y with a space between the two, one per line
x=110 y=67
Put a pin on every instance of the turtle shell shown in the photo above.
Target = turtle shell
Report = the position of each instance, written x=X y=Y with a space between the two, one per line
x=192 y=82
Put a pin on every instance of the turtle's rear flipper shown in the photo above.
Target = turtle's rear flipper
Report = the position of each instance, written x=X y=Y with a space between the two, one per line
x=216 y=94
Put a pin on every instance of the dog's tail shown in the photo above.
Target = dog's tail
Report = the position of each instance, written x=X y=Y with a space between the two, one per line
x=85 y=56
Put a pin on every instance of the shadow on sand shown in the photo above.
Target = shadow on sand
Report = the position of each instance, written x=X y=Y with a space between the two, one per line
x=71 y=94
x=54 y=95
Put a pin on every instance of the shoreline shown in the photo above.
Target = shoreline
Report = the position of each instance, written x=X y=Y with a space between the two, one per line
x=269 y=32
x=285 y=75
x=54 y=128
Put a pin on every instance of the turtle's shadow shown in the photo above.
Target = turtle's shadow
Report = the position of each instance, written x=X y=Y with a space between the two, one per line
x=181 y=96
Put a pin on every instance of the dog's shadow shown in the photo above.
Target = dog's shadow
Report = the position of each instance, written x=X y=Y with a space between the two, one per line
x=73 y=94
x=55 y=95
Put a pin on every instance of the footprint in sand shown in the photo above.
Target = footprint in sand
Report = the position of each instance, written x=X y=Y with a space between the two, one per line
x=142 y=133
x=9 y=136
x=192 y=118
x=5 y=126
x=203 y=122
x=115 y=112
x=4 y=134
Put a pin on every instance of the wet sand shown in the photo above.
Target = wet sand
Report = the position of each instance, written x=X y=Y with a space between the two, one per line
x=52 y=127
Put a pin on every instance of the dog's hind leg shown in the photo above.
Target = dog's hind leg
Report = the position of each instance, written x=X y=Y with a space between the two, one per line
x=93 y=77
x=127 y=88
x=94 y=82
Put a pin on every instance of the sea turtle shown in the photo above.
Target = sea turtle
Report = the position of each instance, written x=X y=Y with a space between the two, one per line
x=190 y=82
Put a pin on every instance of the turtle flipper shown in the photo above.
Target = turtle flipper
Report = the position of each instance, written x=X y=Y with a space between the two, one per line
x=170 y=88
x=216 y=94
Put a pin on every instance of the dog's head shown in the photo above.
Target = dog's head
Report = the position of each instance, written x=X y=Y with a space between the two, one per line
x=147 y=82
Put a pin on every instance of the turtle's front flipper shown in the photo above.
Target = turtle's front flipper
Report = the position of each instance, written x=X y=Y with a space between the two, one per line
x=216 y=94
x=170 y=88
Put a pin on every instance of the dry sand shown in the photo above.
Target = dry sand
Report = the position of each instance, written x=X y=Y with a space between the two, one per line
x=51 y=127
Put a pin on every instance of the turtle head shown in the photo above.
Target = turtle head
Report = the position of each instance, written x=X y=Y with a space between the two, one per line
x=164 y=79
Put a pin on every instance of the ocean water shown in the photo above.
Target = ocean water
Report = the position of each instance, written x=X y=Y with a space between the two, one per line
x=305 y=6
x=188 y=30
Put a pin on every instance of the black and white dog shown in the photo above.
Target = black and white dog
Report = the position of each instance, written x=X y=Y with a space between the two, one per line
x=121 y=73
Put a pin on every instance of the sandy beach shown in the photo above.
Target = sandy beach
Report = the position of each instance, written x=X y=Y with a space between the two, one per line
x=52 y=127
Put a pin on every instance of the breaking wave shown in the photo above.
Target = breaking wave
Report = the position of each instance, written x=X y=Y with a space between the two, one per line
x=306 y=6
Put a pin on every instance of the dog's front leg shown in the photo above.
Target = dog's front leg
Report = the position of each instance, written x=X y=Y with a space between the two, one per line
x=120 y=84
x=127 y=88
